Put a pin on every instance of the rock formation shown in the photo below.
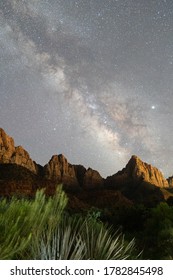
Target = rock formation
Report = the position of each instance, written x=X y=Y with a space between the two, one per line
x=140 y=170
x=137 y=182
x=58 y=169
x=80 y=173
x=11 y=154
x=136 y=172
x=170 y=181
x=92 y=179
x=140 y=182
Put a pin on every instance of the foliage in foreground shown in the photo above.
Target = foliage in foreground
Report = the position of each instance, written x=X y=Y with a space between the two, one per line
x=41 y=229
x=158 y=234
x=151 y=227
x=23 y=220
x=75 y=238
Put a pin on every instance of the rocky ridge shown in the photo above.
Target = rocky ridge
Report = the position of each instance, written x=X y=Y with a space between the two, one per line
x=138 y=181
x=58 y=169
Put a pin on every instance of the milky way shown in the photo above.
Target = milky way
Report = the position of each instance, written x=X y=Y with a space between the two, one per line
x=92 y=79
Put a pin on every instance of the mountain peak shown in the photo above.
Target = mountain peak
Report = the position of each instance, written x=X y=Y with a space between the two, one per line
x=138 y=181
x=140 y=170
x=134 y=160
x=11 y=154
x=59 y=167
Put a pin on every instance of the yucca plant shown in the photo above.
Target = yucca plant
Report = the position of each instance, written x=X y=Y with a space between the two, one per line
x=41 y=229
x=102 y=244
x=78 y=238
x=60 y=242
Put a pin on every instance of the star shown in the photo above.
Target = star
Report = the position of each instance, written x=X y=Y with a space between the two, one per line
x=96 y=75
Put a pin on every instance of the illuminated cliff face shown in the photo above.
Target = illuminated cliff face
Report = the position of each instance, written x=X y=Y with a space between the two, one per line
x=11 y=154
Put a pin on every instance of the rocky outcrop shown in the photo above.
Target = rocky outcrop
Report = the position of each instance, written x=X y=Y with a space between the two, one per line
x=170 y=182
x=58 y=169
x=140 y=182
x=136 y=172
x=88 y=178
x=137 y=182
x=142 y=171
x=7 y=147
x=92 y=179
x=20 y=181
x=80 y=173
x=11 y=154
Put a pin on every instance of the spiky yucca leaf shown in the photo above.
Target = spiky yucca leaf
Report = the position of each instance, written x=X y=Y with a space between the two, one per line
x=102 y=244
x=39 y=229
x=77 y=238
x=60 y=242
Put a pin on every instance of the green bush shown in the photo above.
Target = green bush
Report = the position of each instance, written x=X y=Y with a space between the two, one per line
x=42 y=229
x=158 y=233
x=23 y=220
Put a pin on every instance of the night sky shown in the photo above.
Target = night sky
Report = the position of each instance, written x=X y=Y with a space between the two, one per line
x=91 y=79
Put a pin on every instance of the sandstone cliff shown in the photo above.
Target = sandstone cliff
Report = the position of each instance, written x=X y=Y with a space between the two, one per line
x=140 y=170
x=140 y=182
x=136 y=172
x=11 y=154
x=92 y=179
x=137 y=182
x=58 y=169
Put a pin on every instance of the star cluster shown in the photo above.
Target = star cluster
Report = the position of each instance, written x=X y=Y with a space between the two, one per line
x=90 y=79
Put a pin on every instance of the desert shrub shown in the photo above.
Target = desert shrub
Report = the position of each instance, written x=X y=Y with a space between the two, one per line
x=21 y=220
x=158 y=233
